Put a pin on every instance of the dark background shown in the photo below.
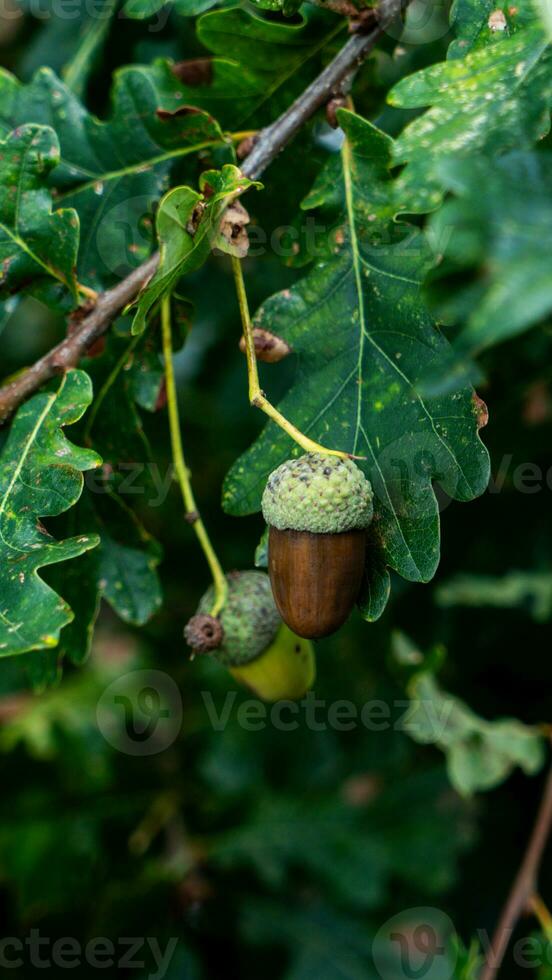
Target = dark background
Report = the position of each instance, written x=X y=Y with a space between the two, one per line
x=270 y=853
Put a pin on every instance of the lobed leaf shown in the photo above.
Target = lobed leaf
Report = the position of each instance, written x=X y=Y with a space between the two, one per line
x=40 y=476
x=497 y=244
x=530 y=591
x=495 y=98
x=122 y=570
x=479 y=23
x=259 y=63
x=364 y=340
x=188 y=230
x=480 y=754
x=110 y=172
x=35 y=242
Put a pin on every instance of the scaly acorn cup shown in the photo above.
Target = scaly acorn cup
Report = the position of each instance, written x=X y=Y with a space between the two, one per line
x=249 y=638
x=317 y=508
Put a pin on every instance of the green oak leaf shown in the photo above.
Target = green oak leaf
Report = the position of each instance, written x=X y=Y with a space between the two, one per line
x=122 y=570
x=187 y=230
x=70 y=45
x=497 y=244
x=35 y=241
x=40 y=476
x=363 y=340
x=494 y=99
x=111 y=172
x=141 y=9
x=87 y=44
x=259 y=63
x=480 y=754
x=531 y=592
x=477 y=23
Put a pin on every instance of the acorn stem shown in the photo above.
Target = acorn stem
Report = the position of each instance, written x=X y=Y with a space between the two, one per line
x=256 y=396
x=182 y=471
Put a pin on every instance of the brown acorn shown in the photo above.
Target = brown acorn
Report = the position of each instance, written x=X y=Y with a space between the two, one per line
x=318 y=508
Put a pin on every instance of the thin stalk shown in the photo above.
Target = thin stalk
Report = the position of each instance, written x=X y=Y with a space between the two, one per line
x=256 y=395
x=87 y=291
x=542 y=913
x=243 y=135
x=182 y=472
x=524 y=889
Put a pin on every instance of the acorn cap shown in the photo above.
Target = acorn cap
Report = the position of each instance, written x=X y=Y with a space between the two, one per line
x=318 y=493
x=249 y=618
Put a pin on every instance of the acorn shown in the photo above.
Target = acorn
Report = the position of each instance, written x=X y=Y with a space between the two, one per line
x=317 y=508
x=250 y=639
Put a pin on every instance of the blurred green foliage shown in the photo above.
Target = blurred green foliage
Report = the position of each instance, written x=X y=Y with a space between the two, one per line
x=275 y=847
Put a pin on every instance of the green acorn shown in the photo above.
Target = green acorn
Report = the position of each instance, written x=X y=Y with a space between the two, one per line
x=317 y=508
x=249 y=638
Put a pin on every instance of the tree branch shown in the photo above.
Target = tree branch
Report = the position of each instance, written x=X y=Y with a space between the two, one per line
x=275 y=137
x=524 y=886
x=268 y=145
x=69 y=352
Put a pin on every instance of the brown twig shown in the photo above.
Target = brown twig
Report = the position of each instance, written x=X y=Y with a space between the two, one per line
x=69 y=352
x=524 y=887
x=267 y=146
x=275 y=137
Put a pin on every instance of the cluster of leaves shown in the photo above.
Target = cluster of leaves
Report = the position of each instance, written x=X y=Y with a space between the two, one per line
x=359 y=324
x=301 y=867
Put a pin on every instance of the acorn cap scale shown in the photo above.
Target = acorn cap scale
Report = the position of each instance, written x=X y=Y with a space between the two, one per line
x=251 y=640
x=249 y=619
x=318 y=493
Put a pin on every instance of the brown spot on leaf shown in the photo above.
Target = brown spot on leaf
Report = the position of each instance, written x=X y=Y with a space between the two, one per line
x=233 y=228
x=161 y=399
x=193 y=223
x=268 y=347
x=183 y=110
x=497 y=21
x=196 y=71
x=481 y=411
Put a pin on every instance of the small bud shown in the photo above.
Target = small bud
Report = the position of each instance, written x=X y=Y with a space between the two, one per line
x=335 y=103
x=244 y=148
x=363 y=22
x=268 y=347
